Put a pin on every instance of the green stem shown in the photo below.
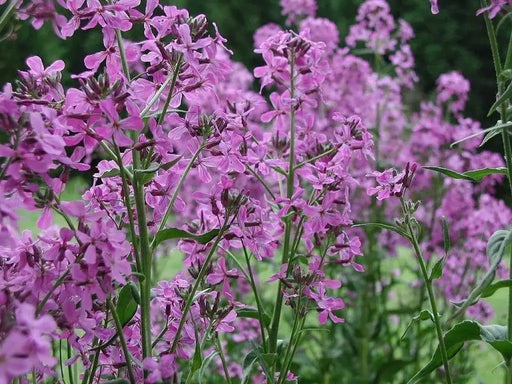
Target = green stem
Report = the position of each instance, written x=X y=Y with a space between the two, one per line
x=176 y=72
x=128 y=205
x=88 y=372
x=70 y=367
x=146 y=256
x=191 y=295
x=507 y=149
x=222 y=359
x=257 y=297
x=428 y=283
x=122 y=53
x=156 y=96
x=276 y=316
x=7 y=13
x=287 y=355
x=178 y=188
x=260 y=179
x=314 y=158
x=120 y=333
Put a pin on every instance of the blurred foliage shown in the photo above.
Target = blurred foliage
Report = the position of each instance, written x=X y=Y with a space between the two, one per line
x=453 y=40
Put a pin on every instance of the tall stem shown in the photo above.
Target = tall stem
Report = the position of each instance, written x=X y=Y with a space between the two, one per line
x=199 y=279
x=178 y=187
x=222 y=359
x=257 y=297
x=146 y=256
x=288 y=224
x=119 y=328
x=507 y=149
x=428 y=283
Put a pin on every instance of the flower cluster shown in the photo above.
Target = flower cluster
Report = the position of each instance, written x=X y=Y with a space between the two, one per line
x=170 y=128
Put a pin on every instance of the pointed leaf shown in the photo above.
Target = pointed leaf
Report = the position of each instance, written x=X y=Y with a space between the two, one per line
x=474 y=175
x=252 y=313
x=176 y=233
x=170 y=164
x=422 y=316
x=437 y=269
x=496 y=247
x=126 y=304
x=491 y=289
x=454 y=339
x=389 y=227
x=204 y=365
x=503 y=97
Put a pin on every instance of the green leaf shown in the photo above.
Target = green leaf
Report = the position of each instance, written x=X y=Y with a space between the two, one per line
x=197 y=360
x=204 y=365
x=490 y=135
x=487 y=131
x=491 y=289
x=265 y=360
x=422 y=316
x=176 y=233
x=117 y=381
x=479 y=174
x=252 y=313
x=503 y=97
x=248 y=364
x=126 y=303
x=389 y=227
x=153 y=167
x=454 y=339
x=171 y=163
x=437 y=269
x=496 y=247
x=474 y=175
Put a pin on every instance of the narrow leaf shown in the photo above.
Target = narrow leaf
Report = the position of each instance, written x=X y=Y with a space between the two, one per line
x=474 y=175
x=252 y=313
x=454 y=339
x=389 y=227
x=204 y=365
x=176 y=233
x=491 y=130
x=496 y=247
x=491 y=289
x=422 y=316
x=437 y=269
x=170 y=164
x=503 y=97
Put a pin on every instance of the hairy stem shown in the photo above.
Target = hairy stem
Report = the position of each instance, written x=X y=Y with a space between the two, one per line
x=428 y=284
x=288 y=225
x=178 y=188
x=507 y=150
x=119 y=328
x=146 y=256
x=199 y=279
